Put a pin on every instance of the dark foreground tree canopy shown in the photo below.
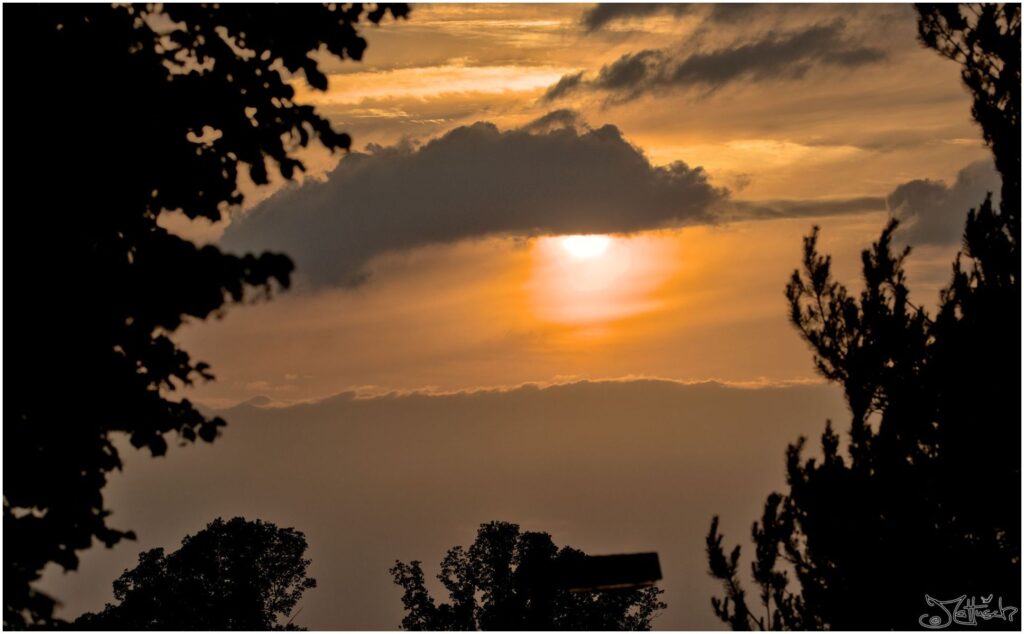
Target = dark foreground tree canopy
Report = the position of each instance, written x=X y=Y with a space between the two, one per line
x=115 y=114
x=503 y=581
x=926 y=497
x=234 y=575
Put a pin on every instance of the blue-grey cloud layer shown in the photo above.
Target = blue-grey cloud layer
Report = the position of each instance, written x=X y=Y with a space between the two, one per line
x=550 y=177
x=932 y=212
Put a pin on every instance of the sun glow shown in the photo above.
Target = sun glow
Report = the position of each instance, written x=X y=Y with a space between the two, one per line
x=594 y=280
x=586 y=247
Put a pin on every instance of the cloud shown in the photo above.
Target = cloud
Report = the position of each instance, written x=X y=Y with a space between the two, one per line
x=553 y=176
x=723 y=15
x=730 y=12
x=774 y=55
x=556 y=119
x=564 y=86
x=604 y=13
x=769 y=209
x=932 y=212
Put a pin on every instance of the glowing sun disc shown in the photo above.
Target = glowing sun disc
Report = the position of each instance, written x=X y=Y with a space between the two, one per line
x=585 y=247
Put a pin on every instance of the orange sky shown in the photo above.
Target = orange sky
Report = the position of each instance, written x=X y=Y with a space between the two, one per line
x=691 y=303
x=688 y=303
x=446 y=274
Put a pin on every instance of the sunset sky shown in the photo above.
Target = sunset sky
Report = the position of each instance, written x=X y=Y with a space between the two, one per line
x=549 y=207
x=426 y=259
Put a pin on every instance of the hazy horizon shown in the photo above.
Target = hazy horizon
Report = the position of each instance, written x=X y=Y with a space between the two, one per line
x=608 y=467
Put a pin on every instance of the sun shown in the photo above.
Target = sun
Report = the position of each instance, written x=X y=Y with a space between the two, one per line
x=586 y=247
x=589 y=281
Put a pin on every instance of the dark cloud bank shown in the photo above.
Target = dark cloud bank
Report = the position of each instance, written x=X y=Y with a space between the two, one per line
x=604 y=466
x=930 y=212
x=550 y=177
x=771 y=56
x=553 y=176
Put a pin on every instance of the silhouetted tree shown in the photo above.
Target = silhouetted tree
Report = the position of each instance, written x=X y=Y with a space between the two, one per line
x=505 y=581
x=927 y=498
x=115 y=114
x=984 y=39
x=235 y=575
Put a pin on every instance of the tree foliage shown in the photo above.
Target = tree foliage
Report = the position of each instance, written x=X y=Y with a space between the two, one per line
x=503 y=581
x=925 y=497
x=985 y=40
x=234 y=575
x=116 y=114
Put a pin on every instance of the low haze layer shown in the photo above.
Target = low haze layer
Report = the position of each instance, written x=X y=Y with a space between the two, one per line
x=607 y=467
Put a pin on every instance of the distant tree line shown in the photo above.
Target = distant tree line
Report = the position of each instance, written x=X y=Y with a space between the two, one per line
x=505 y=581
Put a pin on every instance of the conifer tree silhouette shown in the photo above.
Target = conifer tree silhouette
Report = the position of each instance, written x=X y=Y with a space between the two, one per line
x=926 y=497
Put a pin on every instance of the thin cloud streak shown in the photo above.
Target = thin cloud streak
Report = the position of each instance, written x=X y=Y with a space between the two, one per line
x=428 y=81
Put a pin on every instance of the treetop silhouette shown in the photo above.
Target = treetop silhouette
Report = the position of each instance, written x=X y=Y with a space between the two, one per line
x=506 y=580
x=233 y=575
x=114 y=115
x=925 y=497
